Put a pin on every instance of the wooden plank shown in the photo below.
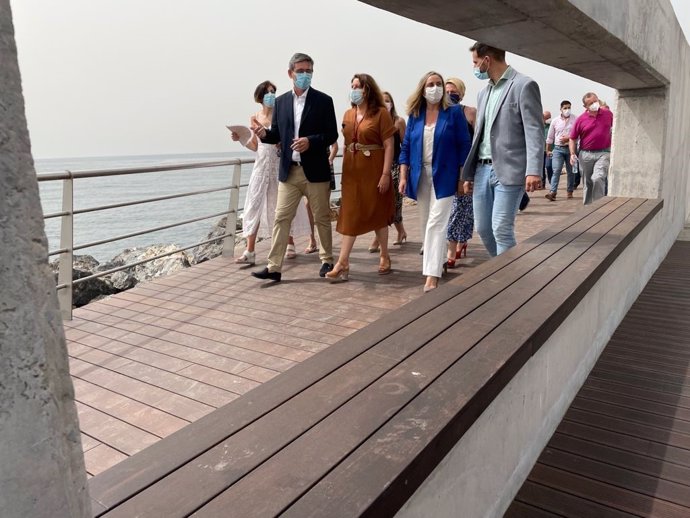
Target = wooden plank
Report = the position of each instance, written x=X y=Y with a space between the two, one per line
x=644 y=484
x=343 y=430
x=605 y=386
x=123 y=436
x=144 y=469
x=661 y=422
x=606 y=494
x=483 y=373
x=561 y=503
x=164 y=400
x=642 y=431
x=145 y=417
x=522 y=510
x=653 y=408
x=101 y=458
x=635 y=462
x=655 y=449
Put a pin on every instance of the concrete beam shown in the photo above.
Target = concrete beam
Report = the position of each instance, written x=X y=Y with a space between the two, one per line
x=569 y=35
x=42 y=471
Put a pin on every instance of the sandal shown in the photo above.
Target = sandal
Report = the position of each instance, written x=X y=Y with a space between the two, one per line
x=311 y=248
x=385 y=266
x=246 y=258
x=290 y=253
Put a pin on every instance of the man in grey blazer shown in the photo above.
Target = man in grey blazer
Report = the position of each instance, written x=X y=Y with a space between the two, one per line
x=507 y=154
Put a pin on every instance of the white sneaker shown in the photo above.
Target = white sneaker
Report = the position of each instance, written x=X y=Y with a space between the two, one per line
x=246 y=258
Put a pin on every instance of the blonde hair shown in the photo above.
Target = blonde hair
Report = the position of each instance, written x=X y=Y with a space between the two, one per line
x=416 y=101
x=457 y=83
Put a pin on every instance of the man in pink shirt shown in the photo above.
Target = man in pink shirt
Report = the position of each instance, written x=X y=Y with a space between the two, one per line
x=557 y=145
x=593 y=128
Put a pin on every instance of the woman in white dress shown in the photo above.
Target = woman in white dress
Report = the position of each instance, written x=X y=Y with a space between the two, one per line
x=262 y=191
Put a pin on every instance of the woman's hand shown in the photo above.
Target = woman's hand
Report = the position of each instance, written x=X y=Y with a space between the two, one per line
x=234 y=136
x=384 y=183
x=402 y=185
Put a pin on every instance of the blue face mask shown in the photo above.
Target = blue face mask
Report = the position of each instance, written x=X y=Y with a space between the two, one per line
x=479 y=74
x=356 y=96
x=269 y=100
x=302 y=80
x=454 y=98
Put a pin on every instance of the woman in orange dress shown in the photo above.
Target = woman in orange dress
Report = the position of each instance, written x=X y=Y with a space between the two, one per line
x=368 y=201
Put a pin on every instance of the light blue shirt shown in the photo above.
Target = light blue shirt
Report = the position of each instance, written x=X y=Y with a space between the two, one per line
x=490 y=112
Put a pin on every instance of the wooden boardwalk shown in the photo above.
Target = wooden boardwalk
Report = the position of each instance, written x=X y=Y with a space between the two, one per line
x=623 y=448
x=150 y=360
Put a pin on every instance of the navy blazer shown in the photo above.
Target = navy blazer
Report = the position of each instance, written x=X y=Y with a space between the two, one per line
x=318 y=124
x=451 y=145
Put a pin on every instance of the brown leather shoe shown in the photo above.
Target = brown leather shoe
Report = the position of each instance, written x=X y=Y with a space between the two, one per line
x=551 y=196
x=570 y=196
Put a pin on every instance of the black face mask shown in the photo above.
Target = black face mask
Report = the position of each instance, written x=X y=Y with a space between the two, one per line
x=454 y=98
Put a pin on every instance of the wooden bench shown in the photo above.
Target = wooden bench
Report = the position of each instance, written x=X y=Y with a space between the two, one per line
x=354 y=430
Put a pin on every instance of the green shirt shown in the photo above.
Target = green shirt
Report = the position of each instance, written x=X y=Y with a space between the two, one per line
x=490 y=112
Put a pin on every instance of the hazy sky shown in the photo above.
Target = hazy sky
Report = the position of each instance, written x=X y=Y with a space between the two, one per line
x=134 y=77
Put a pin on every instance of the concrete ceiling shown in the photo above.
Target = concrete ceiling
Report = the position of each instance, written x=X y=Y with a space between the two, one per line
x=554 y=32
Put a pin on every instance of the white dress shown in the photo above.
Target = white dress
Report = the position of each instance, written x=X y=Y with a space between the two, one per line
x=262 y=196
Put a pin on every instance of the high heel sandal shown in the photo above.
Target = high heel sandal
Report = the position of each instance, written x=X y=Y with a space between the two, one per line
x=462 y=251
x=338 y=275
x=450 y=263
x=374 y=249
x=385 y=266
x=401 y=239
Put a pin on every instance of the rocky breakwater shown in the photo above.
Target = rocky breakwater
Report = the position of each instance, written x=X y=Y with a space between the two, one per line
x=94 y=289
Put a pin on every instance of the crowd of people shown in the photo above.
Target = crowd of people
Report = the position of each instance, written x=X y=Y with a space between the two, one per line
x=467 y=168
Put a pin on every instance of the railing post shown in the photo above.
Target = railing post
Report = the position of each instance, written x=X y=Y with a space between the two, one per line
x=231 y=222
x=65 y=272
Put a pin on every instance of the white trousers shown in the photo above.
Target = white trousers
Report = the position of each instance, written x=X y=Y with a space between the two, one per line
x=434 y=215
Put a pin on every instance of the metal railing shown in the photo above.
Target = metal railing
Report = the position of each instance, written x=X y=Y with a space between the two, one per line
x=66 y=283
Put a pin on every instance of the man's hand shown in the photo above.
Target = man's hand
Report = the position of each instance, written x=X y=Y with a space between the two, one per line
x=468 y=187
x=532 y=183
x=573 y=159
x=300 y=144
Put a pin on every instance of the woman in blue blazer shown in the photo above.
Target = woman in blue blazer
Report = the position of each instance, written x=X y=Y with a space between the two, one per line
x=433 y=151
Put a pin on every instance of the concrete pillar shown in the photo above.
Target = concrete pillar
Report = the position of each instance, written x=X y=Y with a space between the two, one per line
x=41 y=462
x=639 y=132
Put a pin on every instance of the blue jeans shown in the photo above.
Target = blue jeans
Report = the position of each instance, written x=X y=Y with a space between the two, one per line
x=495 y=208
x=561 y=156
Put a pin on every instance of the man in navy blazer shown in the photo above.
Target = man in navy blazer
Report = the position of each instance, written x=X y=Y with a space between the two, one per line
x=305 y=126
x=507 y=154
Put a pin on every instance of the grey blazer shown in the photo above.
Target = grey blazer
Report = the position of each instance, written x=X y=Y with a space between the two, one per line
x=517 y=132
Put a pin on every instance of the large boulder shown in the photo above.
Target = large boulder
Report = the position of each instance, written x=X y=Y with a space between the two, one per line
x=85 y=292
x=161 y=267
x=214 y=248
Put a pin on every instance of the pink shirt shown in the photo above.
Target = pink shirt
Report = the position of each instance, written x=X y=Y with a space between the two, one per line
x=594 y=132
x=560 y=128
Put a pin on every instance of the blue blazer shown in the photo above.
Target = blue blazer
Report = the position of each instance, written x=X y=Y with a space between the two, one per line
x=451 y=145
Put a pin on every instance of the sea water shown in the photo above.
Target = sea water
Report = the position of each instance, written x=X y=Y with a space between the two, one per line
x=93 y=192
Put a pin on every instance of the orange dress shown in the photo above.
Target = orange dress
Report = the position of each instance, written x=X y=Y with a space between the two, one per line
x=362 y=207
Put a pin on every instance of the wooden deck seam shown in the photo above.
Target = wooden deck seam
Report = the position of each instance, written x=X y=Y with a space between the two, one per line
x=167 y=370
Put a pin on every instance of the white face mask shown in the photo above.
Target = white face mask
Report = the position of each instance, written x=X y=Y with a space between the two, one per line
x=566 y=113
x=594 y=107
x=389 y=106
x=433 y=94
